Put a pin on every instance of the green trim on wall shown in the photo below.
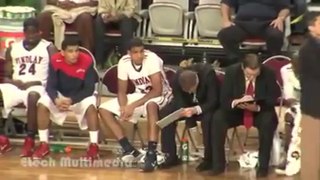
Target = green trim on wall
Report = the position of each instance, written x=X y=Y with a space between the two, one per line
x=32 y=3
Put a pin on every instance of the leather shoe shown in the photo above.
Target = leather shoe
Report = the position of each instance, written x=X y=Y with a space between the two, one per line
x=262 y=173
x=216 y=172
x=204 y=166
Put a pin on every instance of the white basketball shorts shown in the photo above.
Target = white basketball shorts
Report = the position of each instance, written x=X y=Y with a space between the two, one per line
x=113 y=105
x=79 y=109
x=13 y=96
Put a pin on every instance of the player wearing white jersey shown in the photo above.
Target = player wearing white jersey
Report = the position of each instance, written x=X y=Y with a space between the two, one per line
x=27 y=64
x=145 y=69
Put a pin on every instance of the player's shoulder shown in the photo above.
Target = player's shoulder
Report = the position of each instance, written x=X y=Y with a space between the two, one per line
x=151 y=55
x=86 y=59
x=125 y=59
x=45 y=42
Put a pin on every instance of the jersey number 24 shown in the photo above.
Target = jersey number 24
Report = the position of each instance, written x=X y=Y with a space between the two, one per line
x=24 y=69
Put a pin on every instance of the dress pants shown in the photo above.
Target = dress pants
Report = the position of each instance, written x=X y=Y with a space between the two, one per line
x=265 y=121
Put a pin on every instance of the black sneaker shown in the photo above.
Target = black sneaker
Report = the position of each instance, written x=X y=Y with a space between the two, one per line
x=150 y=162
x=132 y=156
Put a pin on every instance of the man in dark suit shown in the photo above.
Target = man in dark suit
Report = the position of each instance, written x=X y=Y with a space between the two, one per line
x=249 y=93
x=195 y=89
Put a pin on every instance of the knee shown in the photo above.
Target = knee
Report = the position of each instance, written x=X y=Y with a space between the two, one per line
x=42 y=108
x=225 y=34
x=152 y=106
x=33 y=96
x=218 y=119
x=45 y=17
x=103 y=113
x=92 y=110
x=85 y=18
x=274 y=33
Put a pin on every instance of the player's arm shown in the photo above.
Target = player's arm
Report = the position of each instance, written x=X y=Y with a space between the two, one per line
x=52 y=83
x=88 y=86
x=8 y=67
x=122 y=84
x=156 y=91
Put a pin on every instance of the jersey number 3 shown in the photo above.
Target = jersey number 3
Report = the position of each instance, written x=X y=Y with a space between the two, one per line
x=23 y=69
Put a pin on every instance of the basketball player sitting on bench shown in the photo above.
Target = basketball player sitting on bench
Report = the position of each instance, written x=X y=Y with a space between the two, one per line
x=145 y=69
x=291 y=87
x=70 y=87
x=27 y=64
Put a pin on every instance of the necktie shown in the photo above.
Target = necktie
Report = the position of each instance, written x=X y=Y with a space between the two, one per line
x=248 y=115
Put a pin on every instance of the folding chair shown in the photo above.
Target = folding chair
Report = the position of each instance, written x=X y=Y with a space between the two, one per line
x=110 y=80
x=169 y=22
x=235 y=133
x=275 y=63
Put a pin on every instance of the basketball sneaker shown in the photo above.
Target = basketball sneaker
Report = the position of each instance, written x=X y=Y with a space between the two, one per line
x=5 y=145
x=150 y=162
x=27 y=148
x=42 y=151
x=131 y=156
x=92 y=152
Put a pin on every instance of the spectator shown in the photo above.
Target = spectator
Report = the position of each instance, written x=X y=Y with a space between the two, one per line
x=115 y=15
x=264 y=19
x=77 y=12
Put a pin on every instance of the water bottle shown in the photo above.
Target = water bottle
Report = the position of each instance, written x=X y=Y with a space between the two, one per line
x=204 y=57
x=184 y=150
x=59 y=148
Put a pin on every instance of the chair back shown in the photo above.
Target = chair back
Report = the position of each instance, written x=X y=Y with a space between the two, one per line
x=110 y=80
x=170 y=74
x=166 y=19
x=208 y=13
x=276 y=63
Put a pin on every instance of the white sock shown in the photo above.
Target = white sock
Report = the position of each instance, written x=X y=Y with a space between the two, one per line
x=93 y=136
x=44 y=135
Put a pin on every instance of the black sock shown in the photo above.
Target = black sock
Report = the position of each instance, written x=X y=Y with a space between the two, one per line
x=125 y=144
x=152 y=146
x=31 y=134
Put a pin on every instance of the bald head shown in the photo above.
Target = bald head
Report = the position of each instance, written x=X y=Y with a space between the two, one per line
x=188 y=80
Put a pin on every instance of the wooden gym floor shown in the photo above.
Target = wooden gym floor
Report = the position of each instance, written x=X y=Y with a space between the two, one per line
x=14 y=168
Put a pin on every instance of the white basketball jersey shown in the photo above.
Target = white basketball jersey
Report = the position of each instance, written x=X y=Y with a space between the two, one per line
x=139 y=75
x=30 y=65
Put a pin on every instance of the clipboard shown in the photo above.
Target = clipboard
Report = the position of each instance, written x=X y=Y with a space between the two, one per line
x=170 y=118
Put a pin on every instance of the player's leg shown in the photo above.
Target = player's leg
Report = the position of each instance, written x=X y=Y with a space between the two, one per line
x=28 y=146
x=46 y=110
x=152 y=111
x=289 y=123
x=5 y=145
x=91 y=118
x=108 y=111
x=153 y=133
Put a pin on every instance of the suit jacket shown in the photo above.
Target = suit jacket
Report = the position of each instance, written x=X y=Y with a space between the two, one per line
x=310 y=77
x=126 y=7
x=207 y=93
x=233 y=87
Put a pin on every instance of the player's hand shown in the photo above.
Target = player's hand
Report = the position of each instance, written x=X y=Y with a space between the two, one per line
x=127 y=112
x=32 y=83
x=188 y=112
x=18 y=83
x=62 y=104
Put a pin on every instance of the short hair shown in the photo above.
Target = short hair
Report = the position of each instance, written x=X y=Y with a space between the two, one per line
x=135 y=42
x=187 y=79
x=31 y=22
x=251 y=61
x=70 y=41
x=311 y=17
